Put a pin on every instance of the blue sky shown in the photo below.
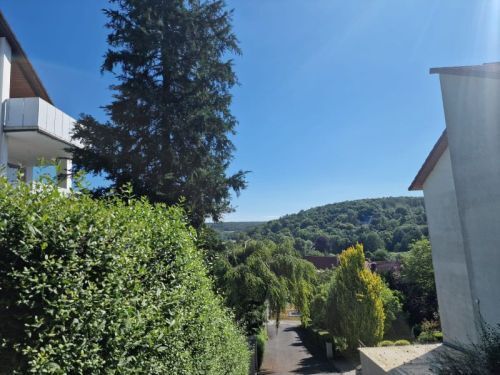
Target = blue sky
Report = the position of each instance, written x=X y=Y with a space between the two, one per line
x=335 y=101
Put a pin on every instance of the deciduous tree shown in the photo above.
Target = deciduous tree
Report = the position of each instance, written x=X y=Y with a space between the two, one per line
x=417 y=277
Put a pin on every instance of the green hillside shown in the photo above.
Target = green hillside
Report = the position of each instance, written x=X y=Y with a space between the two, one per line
x=234 y=226
x=384 y=223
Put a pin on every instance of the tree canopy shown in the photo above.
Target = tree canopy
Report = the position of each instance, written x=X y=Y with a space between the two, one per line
x=170 y=118
x=383 y=223
x=257 y=273
x=417 y=279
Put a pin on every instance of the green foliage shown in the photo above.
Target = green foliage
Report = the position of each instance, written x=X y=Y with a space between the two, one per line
x=417 y=282
x=315 y=340
x=430 y=332
x=260 y=272
x=319 y=301
x=170 y=120
x=381 y=254
x=402 y=343
x=235 y=226
x=373 y=242
x=111 y=286
x=261 y=340
x=386 y=343
x=356 y=310
x=482 y=358
x=391 y=299
x=438 y=336
x=385 y=223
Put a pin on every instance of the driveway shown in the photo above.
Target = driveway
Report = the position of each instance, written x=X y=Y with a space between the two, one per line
x=285 y=353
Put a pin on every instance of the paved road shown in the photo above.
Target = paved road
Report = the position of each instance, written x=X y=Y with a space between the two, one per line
x=285 y=353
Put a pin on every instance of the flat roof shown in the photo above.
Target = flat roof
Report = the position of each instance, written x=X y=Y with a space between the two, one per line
x=24 y=79
x=488 y=70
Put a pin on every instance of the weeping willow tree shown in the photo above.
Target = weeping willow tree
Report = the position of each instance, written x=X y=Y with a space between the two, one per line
x=260 y=272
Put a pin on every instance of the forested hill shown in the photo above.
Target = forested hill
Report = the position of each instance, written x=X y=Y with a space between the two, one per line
x=235 y=226
x=383 y=223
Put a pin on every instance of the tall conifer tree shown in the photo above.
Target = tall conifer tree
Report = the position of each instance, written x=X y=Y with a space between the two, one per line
x=170 y=119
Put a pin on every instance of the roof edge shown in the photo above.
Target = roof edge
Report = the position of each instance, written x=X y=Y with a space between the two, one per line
x=482 y=71
x=430 y=162
x=24 y=63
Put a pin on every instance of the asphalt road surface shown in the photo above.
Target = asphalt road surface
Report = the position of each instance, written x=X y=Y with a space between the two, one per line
x=285 y=353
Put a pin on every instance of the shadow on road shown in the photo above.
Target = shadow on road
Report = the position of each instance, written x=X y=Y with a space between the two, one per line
x=312 y=366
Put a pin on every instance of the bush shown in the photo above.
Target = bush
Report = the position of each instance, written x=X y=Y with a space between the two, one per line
x=261 y=344
x=105 y=287
x=315 y=340
x=482 y=358
x=355 y=306
x=402 y=343
x=426 y=338
x=438 y=336
x=430 y=332
x=386 y=343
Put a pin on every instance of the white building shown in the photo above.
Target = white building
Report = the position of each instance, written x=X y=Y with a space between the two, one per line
x=461 y=184
x=31 y=128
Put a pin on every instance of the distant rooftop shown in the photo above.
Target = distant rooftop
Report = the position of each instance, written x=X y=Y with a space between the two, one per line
x=323 y=262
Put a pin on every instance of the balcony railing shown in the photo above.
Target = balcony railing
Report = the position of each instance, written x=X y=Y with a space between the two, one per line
x=37 y=114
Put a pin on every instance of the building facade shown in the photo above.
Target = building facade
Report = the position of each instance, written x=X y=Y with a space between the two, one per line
x=461 y=184
x=32 y=129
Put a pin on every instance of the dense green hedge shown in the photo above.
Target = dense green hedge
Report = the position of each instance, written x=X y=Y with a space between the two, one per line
x=110 y=286
x=261 y=340
x=315 y=340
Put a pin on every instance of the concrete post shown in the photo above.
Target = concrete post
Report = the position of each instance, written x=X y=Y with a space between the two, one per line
x=28 y=174
x=5 y=68
x=64 y=174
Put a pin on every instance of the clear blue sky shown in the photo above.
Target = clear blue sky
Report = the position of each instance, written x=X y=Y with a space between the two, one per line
x=335 y=101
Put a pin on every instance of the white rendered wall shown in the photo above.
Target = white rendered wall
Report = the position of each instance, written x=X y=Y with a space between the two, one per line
x=448 y=256
x=472 y=111
x=5 y=68
x=37 y=114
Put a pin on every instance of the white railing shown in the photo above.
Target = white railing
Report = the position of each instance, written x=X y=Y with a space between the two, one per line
x=37 y=114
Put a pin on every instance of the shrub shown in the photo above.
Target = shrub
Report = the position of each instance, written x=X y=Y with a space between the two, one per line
x=105 y=287
x=315 y=340
x=438 y=336
x=426 y=338
x=402 y=343
x=261 y=344
x=355 y=306
x=482 y=358
x=386 y=343
x=430 y=332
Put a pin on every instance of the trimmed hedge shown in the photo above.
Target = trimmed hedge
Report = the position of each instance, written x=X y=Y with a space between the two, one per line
x=315 y=340
x=386 y=343
x=402 y=343
x=428 y=337
x=261 y=340
x=112 y=286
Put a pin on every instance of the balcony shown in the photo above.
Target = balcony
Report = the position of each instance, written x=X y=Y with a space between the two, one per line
x=36 y=129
